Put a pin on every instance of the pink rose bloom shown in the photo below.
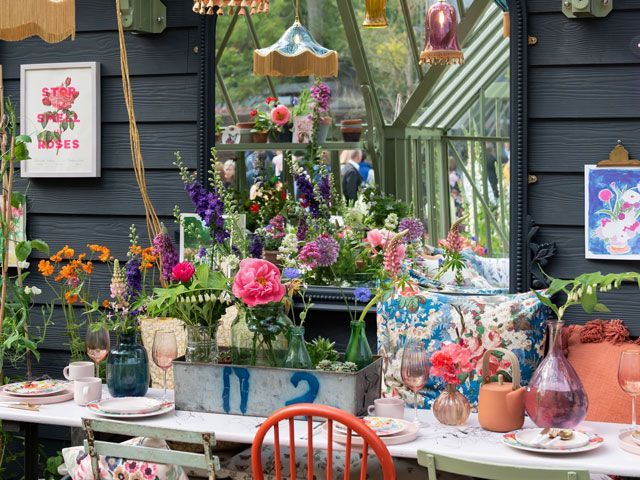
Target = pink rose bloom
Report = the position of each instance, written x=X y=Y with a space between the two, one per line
x=451 y=361
x=491 y=339
x=281 y=115
x=63 y=98
x=378 y=237
x=183 y=272
x=605 y=195
x=258 y=282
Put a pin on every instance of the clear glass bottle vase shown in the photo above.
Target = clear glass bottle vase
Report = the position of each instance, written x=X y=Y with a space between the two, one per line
x=555 y=396
x=358 y=349
x=298 y=355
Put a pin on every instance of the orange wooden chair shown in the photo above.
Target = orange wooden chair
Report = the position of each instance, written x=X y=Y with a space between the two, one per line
x=331 y=414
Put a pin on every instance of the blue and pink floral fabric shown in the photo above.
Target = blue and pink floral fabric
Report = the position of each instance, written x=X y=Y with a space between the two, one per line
x=515 y=322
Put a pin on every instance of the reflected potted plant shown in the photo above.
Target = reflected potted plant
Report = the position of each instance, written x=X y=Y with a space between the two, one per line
x=351 y=129
x=282 y=121
x=262 y=126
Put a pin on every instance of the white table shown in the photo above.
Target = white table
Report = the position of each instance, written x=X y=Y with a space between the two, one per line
x=469 y=442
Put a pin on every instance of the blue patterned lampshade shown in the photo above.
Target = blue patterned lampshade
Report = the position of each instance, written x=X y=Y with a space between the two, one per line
x=506 y=18
x=296 y=54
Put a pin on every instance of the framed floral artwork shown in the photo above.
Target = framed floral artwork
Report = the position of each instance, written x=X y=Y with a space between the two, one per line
x=612 y=213
x=60 y=111
x=302 y=129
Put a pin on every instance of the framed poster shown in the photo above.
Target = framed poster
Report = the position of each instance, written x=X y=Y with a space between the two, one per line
x=60 y=111
x=612 y=212
x=302 y=129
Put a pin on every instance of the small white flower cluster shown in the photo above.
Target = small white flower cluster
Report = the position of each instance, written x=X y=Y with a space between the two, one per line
x=23 y=265
x=391 y=222
x=32 y=291
x=230 y=263
x=288 y=250
x=223 y=297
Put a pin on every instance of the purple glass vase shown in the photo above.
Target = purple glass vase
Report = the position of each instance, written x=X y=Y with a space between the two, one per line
x=555 y=396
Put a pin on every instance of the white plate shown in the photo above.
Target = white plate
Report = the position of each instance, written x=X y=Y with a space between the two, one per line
x=627 y=444
x=130 y=405
x=409 y=434
x=37 y=388
x=382 y=426
x=594 y=442
x=635 y=437
x=531 y=438
x=166 y=408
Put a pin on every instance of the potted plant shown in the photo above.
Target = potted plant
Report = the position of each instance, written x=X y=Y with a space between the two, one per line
x=281 y=118
x=351 y=130
x=321 y=96
x=262 y=125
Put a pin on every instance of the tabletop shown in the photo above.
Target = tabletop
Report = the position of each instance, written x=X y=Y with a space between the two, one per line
x=469 y=441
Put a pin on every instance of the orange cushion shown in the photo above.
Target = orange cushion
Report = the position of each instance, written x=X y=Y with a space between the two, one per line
x=597 y=367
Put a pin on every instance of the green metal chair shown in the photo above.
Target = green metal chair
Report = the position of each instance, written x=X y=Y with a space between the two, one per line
x=443 y=463
x=95 y=448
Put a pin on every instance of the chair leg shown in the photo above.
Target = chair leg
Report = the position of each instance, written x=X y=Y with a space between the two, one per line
x=90 y=442
x=431 y=468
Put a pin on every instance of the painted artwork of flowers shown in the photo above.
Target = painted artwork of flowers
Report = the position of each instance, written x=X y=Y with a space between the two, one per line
x=612 y=213
x=59 y=117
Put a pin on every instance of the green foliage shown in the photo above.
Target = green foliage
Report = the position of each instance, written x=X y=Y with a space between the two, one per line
x=51 y=467
x=382 y=205
x=322 y=349
x=583 y=290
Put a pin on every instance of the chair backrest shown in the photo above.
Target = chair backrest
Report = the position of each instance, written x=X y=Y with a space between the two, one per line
x=487 y=471
x=331 y=414
x=96 y=448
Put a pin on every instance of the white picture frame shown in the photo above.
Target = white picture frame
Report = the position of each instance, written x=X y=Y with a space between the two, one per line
x=60 y=111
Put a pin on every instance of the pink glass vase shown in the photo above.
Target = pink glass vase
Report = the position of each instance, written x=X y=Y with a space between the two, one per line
x=555 y=396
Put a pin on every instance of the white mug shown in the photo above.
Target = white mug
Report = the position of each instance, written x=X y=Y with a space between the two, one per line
x=387 y=407
x=76 y=370
x=87 y=390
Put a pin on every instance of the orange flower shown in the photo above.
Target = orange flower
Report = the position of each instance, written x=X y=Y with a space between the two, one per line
x=82 y=256
x=88 y=268
x=105 y=304
x=135 y=249
x=45 y=268
x=67 y=272
x=67 y=252
x=56 y=258
x=70 y=297
x=104 y=252
x=148 y=258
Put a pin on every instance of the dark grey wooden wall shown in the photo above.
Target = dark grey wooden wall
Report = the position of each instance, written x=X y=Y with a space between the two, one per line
x=584 y=95
x=166 y=74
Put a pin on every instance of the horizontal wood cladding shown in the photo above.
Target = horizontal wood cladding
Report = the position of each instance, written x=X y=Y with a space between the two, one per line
x=587 y=42
x=557 y=199
x=157 y=98
x=112 y=195
x=550 y=6
x=148 y=54
x=610 y=91
x=566 y=145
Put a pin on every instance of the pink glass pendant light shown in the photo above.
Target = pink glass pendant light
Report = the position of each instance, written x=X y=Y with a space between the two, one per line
x=441 y=26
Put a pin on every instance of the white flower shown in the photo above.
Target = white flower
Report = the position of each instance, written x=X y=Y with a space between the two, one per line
x=391 y=222
x=23 y=265
x=32 y=291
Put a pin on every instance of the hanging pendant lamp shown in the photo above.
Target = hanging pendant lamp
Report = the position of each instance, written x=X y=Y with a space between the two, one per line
x=53 y=21
x=207 y=7
x=506 y=18
x=441 y=26
x=296 y=54
x=375 y=14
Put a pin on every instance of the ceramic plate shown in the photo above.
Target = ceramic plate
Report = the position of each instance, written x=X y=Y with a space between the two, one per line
x=383 y=426
x=35 y=389
x=409 y=434
x=531 y=438
x=635 y=437
x=594 y=441
x=628 y=444
x=165 y=408
x=130 y=405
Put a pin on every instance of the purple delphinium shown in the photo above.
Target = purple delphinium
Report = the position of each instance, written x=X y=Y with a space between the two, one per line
x=303 y=229
x=307 y=195
x=169 y=257
x=362 y=294
x=321 y=93
x=256 y=248
x=414 y=226
x=134 y=277
x=210 y=208
x=328 y=248
x=291 y=273
x=324 y=187
x=309 y=255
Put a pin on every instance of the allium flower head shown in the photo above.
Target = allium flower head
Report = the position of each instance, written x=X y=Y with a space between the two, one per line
x=414 y=227
x=328 y=248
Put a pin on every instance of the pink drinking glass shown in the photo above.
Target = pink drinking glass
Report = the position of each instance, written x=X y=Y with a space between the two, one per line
x=164 y=352
x=629 y=379
x=415 y=371
x=97 y=343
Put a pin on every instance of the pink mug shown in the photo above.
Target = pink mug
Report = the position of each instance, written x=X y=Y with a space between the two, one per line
x=87 y=390
x=387 y=407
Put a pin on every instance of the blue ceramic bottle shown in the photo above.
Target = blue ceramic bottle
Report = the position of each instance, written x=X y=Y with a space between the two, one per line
x=128 y=368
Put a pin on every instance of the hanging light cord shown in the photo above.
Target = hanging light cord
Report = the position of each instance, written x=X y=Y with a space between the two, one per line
x=297 y=11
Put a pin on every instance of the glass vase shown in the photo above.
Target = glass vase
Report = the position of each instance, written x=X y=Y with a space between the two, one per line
x=358 y=349
x=298 y=355
x=128 y=368
x=555 y=396
x=451 y=407
x=259 y=336
x=202 y=344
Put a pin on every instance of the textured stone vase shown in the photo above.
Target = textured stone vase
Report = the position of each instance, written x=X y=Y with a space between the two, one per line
x=451 y=407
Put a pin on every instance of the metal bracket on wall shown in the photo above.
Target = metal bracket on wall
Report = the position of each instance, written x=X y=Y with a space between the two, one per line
x=143 y=16
x=587 y=8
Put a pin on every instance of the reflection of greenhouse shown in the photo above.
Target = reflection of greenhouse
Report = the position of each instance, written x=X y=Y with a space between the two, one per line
x=437 y=136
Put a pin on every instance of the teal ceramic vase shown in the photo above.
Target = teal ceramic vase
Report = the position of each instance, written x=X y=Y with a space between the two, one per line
x=128 y=368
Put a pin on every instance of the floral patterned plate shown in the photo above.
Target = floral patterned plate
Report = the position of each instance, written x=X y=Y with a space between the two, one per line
x=383 y=426
x=37 y=388
x=95 y=408
x=594 y=441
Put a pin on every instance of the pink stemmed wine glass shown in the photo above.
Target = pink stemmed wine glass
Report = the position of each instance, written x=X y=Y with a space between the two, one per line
x=629 y=379
x=164 y=351
x=415 y=371
x=97 y=344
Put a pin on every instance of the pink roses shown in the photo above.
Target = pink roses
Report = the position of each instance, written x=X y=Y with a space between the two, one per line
x=183 y=272
x=281 y=115
x=258 y=282
x=451 y=361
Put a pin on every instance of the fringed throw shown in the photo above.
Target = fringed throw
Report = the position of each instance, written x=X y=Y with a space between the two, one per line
x=228 y=7
x=51 y=20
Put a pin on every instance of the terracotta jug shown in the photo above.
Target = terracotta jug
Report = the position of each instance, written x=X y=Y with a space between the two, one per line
x=501 y=404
